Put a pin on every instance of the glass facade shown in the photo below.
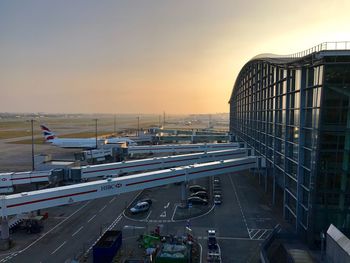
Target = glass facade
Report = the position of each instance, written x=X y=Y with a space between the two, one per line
x=297 y=116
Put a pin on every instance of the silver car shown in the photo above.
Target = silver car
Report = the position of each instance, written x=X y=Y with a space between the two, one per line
x=140 y=207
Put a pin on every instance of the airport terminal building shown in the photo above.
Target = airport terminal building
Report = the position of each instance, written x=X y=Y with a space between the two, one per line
x=295 y=112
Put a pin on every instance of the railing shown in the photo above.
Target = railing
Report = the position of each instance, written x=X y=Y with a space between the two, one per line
x=342 y=45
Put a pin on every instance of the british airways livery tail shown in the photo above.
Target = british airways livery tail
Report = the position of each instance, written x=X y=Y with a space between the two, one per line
x=48 y=134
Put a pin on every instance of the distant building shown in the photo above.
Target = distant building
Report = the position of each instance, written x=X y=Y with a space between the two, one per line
x=295 y=111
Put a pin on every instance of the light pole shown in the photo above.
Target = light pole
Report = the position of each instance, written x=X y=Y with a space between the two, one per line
x=32 y=135
x=96 y=132
x=115 y=125
x=138 y=125
x=32 y=124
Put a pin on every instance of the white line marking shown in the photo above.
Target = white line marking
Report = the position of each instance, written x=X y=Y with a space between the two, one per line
x=91 y=218
x=172 y=218
x=262 y=234
x=112 y=200
x=150 y=212
x=24 y=249
x=201 y=254
x=102 y=209
x=165 y=207
x=58 y=248
x=163 y=214
x=239 y=204
x=76 y=232
x=256 y=233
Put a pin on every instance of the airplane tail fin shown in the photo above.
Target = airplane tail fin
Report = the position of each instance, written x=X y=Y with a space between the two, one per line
x=47 y=133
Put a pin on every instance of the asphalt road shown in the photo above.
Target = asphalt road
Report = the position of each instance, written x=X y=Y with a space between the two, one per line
x=242 y=222
x=75 y=233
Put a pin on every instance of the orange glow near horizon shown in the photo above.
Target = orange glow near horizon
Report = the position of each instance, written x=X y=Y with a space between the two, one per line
x=178 y=57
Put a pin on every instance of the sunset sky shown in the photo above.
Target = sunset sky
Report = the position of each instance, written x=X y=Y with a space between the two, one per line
x=147 y=56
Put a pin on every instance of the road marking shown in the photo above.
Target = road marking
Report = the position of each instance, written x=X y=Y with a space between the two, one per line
x=58 y=248
x=255 y=234
x=102 y=209
x=150 y=212
x=112 y=200
x=163 y=214
x=76 y=232
x=91 y=218
x=165 y=207
x=24 y=249
x=239 y=204
x=172 y=217
x=262 y=234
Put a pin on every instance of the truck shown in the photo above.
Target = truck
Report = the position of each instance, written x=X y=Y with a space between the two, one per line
x=107 y=246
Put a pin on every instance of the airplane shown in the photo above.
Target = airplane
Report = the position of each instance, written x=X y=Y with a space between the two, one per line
x=85 y=143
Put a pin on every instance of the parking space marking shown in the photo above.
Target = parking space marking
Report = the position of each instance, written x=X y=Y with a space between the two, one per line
x=165 y=207
x=91 y=218
x=112 y=200
x=102 y=209
x=163 y=214
x=58 y=247
x=76 y=232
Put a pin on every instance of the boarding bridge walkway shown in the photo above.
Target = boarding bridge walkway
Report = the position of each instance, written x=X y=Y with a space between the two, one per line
x=157 y=163
x=31 y=201
x=181 y=148
x=9 y=180
x=192 y=138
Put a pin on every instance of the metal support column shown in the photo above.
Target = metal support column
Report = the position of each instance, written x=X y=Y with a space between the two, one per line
x=5 y=229
x=183 y=194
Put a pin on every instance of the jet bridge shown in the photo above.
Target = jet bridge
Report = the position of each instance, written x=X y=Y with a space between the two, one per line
x=8 y=180
x=30 y=201
x=118 y=168
x=181 y=148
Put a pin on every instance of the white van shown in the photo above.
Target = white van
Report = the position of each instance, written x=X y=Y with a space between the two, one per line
x=140 y=207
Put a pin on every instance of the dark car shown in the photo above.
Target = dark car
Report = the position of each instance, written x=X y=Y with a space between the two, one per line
x=201 y=194
x=217 y=192
x=196 y=188
x=197 y=200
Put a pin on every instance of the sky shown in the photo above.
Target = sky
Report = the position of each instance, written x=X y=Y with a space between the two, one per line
x=130 y=56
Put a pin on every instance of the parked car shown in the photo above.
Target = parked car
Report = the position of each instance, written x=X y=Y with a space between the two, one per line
x=217 y=192
x=201 y=194
x=217 y=199
x=196 y=188
x=197 y=200
x=140 y=207
x=148 y=200
x=216 y=180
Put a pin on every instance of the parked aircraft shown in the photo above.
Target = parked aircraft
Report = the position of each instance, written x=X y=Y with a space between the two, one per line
x=85 y=143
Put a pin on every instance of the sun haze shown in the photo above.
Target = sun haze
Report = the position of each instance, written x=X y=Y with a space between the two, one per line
x=147 y=56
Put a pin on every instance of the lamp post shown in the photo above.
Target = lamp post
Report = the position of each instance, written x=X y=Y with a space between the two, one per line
x=115 y=125
x=32 y=124
x=96 y=132
x=138 y=126
x=32 y=135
